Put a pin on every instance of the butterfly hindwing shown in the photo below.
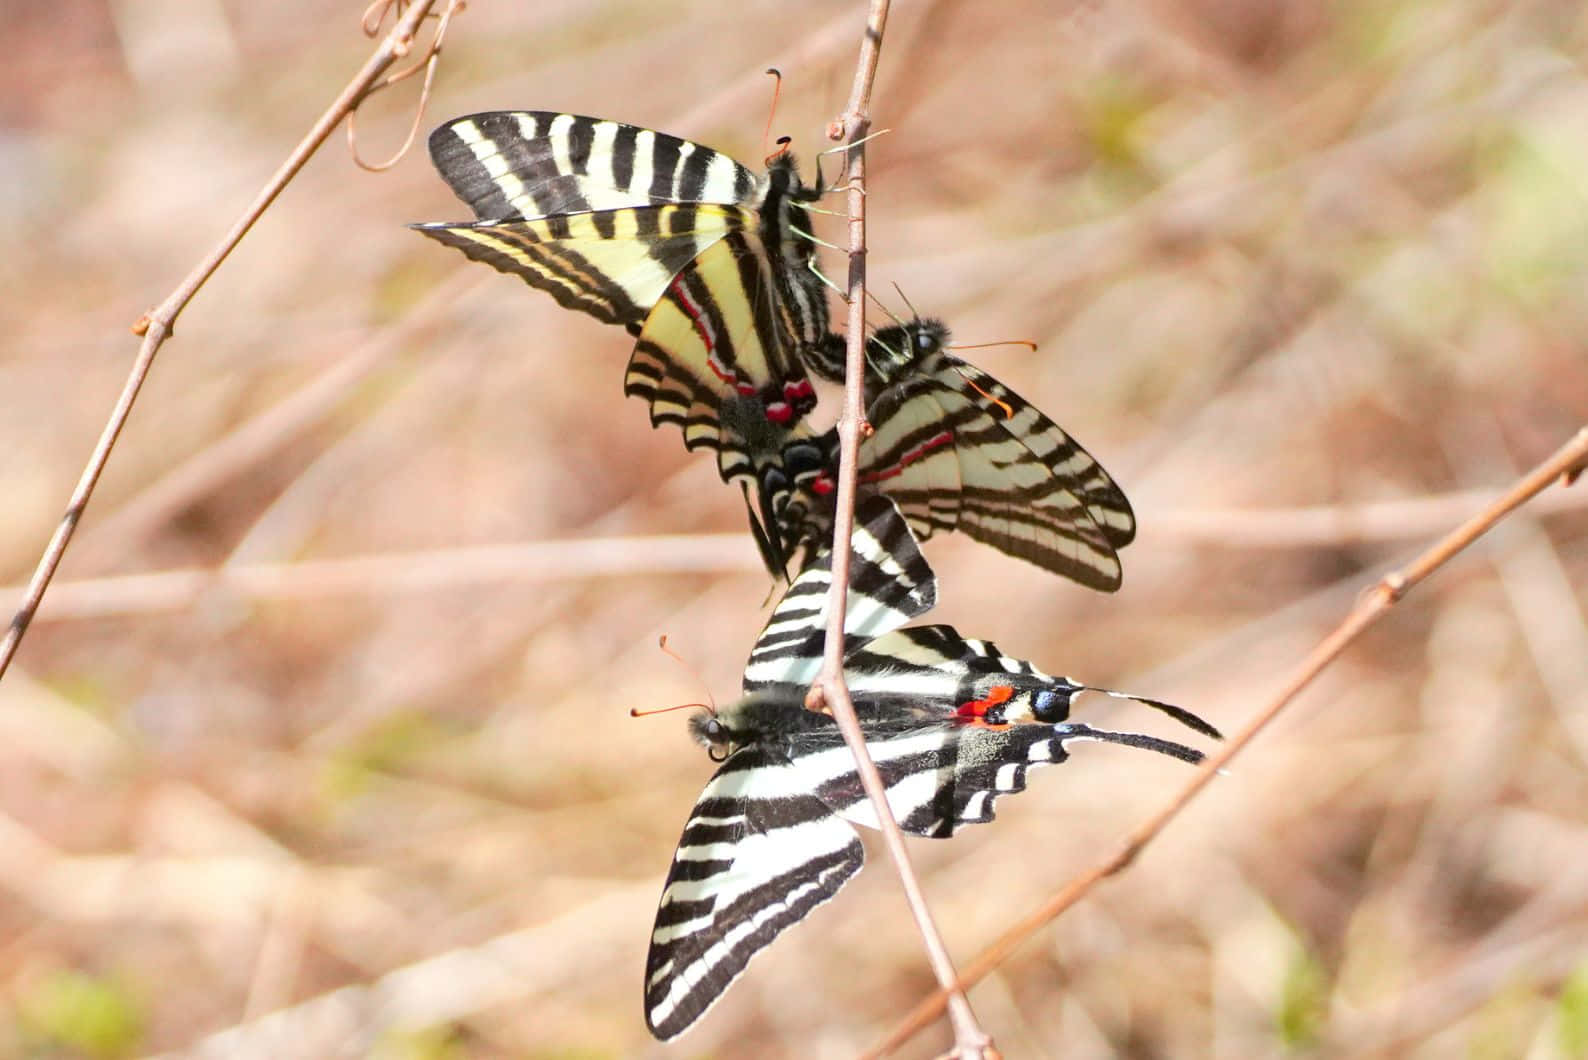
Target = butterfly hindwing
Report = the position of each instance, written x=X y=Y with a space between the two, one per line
x=1050 y=446
x=758 y=854
x=714 y=357
x=957 y=450
x=889 y=584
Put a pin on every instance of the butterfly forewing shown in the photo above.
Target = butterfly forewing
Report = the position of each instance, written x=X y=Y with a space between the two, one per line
x=758 y=854
x=521 y=164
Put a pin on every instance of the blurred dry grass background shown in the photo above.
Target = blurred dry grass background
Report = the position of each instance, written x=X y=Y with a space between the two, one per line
x=1279 y=256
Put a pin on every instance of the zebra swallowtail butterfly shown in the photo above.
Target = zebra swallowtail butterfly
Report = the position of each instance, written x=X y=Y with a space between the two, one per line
x=710 y=266
x=952 y=724
x=957 y=450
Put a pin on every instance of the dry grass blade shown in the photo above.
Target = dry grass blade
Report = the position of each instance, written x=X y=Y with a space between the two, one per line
x=157 y=324
x=1562 y=467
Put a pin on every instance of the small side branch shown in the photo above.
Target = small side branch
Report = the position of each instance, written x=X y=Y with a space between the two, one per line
x=157 y=324
x=829 y=692
x=1564 y=466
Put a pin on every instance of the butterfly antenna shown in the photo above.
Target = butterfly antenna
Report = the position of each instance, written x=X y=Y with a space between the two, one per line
x=1027 y=343
x=636 y=712
x=914 y=313
x=884 y=306
x=710 y=704
x=771 y=113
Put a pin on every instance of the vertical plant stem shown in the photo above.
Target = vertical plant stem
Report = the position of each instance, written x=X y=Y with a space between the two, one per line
x=830 y=690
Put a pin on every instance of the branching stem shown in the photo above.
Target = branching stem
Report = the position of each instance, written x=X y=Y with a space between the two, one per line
x=158 y=323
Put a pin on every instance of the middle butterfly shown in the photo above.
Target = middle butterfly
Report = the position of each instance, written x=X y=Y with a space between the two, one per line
x=714 y=269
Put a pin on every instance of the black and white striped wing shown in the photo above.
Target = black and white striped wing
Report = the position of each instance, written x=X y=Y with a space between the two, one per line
x=952 y=461
x=598 y=213
x=758 y=854
x=889 y=584
x=960 y=723
x=941 y=776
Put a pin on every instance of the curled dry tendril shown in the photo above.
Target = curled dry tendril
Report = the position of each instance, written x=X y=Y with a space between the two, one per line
x=374 y=17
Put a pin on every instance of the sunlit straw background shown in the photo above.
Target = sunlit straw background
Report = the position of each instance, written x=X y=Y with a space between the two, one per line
x=320 y=746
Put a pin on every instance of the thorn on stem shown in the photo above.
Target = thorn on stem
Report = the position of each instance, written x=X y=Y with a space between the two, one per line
x=816 y=698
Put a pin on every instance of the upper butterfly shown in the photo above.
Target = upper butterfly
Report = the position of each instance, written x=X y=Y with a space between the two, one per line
x=711 y=266
x=952 y=724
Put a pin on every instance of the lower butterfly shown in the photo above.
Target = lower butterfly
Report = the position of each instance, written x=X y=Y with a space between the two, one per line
x=952 y=723
x=957 y=450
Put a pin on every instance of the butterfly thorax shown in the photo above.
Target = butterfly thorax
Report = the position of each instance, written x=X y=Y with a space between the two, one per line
x=786 y=233
x=768 y=720
x=896 y=352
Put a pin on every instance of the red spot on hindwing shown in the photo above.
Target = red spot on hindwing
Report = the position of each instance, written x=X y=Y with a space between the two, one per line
x=976 y=709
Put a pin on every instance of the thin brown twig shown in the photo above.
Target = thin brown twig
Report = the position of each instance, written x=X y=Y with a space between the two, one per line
x=829 y=691
x=428 y=63
x=157 y=324
x=449 y=568
x=1563 y=466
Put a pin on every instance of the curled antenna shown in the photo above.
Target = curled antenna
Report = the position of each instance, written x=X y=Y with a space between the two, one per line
x=709 y=705
x=771 y=112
